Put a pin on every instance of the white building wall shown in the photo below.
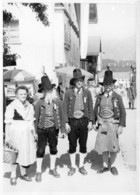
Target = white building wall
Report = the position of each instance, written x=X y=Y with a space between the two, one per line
x=37 y=43
x=84 y=29
x=59 y=37
x=75 y=42
x=64 y=56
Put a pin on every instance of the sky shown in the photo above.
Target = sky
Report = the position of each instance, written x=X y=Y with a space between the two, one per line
x=117 y=25
x=117 y=20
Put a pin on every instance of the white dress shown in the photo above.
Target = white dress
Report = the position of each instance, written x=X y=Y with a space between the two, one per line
x=20 y=133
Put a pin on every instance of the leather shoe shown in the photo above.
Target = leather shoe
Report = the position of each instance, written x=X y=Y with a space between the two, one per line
x=38 y=177
x=82 y=171
x=105 y=169
x=26 y=178
x=13 y=181
x=71 y=171
x=54 y=173
x=114 y=171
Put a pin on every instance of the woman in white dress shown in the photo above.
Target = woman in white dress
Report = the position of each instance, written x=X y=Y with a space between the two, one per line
x=20 y=133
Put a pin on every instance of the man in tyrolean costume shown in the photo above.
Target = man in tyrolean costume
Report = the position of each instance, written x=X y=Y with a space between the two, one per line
x=110 y=117
x=49 y=120
x=78 y=113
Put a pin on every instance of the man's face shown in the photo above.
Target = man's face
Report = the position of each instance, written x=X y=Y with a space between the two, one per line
x=108 y=87
x=79 y=83
x=93 y=84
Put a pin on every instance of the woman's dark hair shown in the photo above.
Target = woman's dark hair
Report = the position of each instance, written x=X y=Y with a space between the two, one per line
x=21 y=87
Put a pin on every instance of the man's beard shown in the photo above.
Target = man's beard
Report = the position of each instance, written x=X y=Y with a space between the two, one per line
x=51 y=96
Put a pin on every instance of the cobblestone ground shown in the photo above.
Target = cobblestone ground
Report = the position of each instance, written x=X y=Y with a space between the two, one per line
x=124 y=183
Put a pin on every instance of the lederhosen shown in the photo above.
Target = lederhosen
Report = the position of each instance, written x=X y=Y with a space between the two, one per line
x=48 y=134
x=107 y=138
x=78 y=126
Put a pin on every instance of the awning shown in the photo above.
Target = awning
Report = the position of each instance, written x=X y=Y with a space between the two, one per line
x=93 y=45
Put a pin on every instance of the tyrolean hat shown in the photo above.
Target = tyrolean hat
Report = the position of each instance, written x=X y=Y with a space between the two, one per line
x=45 y=84
x=77 y=74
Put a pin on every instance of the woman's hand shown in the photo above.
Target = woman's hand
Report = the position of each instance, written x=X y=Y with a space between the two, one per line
x=35 y=135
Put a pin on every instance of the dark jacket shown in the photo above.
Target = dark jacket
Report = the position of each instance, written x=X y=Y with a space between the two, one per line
x=118 y=108
x=69 y=103
x=40 y=111
x=131 y=93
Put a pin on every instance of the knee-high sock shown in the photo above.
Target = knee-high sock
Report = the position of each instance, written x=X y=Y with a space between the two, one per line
x=113 y=156
x=105 y=157
x=52 y=161
x=39 y=165
x=72 y=158
x=81 y=159
x=22 y=170
x=13 y=170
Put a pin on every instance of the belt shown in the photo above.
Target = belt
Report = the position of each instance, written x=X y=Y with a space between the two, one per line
x=78 y=114
x=106 y=113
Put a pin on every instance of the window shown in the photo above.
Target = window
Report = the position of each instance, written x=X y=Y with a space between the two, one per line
x=93 y=13
x=67 y=40
x=12 y=31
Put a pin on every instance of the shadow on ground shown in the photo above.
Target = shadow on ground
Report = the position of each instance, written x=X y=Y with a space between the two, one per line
x=92 y=157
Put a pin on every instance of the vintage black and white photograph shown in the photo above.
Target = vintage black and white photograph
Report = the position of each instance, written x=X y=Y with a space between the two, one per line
x=70 y=97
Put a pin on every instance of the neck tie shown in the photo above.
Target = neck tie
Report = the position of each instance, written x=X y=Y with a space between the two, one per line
x=78 y=91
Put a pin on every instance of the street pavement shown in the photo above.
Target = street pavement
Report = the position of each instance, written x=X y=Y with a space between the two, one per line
x=124 y=183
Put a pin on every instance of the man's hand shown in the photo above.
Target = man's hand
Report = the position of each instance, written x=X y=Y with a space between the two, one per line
x=67 y=127
x=94 y=127
x=89 y=126
x=120 y=130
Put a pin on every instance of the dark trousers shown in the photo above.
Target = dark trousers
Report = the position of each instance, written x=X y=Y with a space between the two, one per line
x=79 y=131
x=47 y=136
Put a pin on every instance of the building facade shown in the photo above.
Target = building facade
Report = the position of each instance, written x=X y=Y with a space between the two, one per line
x=44 y=48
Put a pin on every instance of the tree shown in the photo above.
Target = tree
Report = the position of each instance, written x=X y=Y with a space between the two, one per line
x=41 y=15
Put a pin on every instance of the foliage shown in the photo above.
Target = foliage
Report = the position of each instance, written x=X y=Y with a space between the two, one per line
x=8 y=59
x=39 y=9
x=7 y=17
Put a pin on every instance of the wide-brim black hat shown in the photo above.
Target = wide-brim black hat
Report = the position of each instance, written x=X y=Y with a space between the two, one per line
x=77 y=74
x=108 y=83
x=45 y=84
x=108 y=79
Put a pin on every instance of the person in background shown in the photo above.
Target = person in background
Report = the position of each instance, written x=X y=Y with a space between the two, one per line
x=49 y=120
x=60 y=91
x=20 y=133
x=131 y=94
x=92 y=88
x=78 y=116
x=108 y=72
x=29 y=98
x=110 y=118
